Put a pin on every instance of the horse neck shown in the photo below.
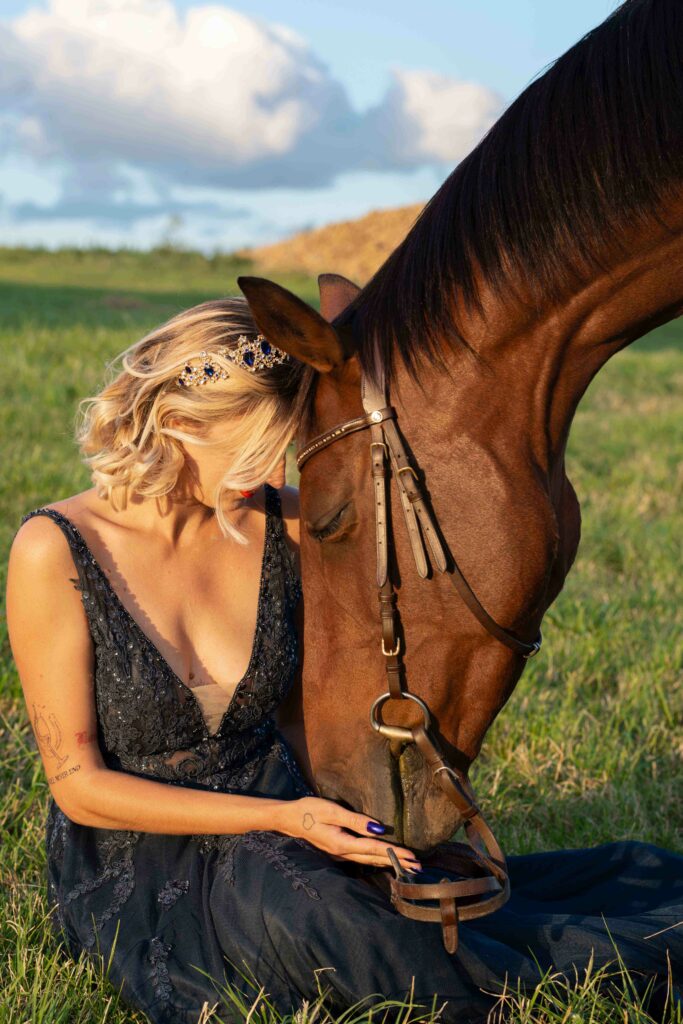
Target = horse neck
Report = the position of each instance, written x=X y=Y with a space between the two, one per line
x=520 y=391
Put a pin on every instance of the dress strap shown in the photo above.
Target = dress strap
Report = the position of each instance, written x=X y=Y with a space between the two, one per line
x=79 y=549
x=273 y=502
x=276 y=533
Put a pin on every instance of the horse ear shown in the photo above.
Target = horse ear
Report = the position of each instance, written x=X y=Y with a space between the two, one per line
x=336 y=293
x=292 y=324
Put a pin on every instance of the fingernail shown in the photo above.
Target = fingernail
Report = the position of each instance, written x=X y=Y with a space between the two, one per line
x=376 y=828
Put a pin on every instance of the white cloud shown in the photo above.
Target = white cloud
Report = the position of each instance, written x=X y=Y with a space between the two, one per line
x=214 y=93
x=434 y=117
x=212 y=98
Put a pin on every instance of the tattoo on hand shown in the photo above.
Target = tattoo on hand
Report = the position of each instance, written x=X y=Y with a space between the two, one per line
x=308 y=821
x=63 y=775
x=49 y=735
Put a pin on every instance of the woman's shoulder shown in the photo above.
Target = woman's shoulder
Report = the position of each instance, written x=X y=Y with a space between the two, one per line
x=45 y=560
x=38 y=543
x=41 y=561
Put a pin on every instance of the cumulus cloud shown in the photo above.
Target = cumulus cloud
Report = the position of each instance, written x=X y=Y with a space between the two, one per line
x=431 y=117
x=212 y=97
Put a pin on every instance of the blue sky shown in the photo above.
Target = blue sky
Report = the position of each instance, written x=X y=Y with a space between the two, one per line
x=246 y=121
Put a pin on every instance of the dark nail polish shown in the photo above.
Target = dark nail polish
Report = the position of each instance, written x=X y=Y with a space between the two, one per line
x=376 y=828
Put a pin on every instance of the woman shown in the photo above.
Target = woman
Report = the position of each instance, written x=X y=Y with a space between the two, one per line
x=183 y=842
x=162 y=662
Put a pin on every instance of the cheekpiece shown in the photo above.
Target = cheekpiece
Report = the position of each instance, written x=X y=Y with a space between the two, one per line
x=252 y=354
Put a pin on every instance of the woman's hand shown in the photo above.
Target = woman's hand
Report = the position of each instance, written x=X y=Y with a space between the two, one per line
x=330 y=827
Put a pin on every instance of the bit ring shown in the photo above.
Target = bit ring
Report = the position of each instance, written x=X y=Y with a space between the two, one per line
x=397 y=732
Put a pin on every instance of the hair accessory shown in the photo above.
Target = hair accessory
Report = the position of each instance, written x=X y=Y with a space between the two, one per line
x=256 y=353
x=200 y=373
x=252 y=354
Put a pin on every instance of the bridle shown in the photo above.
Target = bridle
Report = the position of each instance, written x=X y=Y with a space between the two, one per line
x=485 y=886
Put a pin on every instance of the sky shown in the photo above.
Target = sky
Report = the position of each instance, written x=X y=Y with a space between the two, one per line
x=222 y=125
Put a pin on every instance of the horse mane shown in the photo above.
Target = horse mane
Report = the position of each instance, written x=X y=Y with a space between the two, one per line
x=590 y=147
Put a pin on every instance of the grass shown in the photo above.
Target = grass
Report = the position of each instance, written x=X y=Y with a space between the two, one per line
x=590 y=746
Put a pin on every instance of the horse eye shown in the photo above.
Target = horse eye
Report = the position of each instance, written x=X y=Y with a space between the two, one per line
x=332 y=525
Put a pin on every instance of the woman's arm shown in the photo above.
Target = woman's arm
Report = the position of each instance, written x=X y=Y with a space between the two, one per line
x=54 y=655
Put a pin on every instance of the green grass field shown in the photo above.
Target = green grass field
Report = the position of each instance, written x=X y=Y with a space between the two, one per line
x=590 y=746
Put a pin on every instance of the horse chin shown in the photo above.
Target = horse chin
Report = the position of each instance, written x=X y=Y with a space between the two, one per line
x=427 y=816
x=396 y=791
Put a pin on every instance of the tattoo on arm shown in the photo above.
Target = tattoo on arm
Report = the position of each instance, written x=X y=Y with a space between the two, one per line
x=63 y=775
x=48 y=734
x=85 y=737
x=308 y=821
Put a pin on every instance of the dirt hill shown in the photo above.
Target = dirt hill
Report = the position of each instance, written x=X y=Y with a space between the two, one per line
x=354 y=248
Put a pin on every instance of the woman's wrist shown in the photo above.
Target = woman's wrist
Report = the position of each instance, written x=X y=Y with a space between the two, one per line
x=270 y=815
x=283 y=817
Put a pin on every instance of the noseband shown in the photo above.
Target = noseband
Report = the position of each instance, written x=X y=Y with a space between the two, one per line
x=486 y=885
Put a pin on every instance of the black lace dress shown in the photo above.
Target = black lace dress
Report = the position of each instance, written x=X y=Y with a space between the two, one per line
x=186 y=914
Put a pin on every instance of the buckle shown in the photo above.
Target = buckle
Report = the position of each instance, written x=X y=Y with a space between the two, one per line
x=535 y=647
x=396 y=650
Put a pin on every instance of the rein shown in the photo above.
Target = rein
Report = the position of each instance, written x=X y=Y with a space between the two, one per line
x=487 y=887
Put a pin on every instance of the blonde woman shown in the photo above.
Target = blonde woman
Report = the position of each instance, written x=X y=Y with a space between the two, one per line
x=153 y=623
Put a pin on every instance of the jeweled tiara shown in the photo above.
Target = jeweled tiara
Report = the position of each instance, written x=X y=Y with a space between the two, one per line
x=252 y=354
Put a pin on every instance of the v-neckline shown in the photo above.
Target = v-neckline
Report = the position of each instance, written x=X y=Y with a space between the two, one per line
x=151 y=644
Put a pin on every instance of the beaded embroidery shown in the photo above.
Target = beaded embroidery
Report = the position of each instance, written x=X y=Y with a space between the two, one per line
x=157 y=956
x=171 y=891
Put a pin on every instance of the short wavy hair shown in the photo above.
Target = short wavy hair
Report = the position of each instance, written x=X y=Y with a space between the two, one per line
x=125 y=432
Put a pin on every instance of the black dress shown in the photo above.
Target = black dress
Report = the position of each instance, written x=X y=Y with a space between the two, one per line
x=186 y=913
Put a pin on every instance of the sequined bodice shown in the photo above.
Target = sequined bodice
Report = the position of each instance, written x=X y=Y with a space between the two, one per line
x=149 y=720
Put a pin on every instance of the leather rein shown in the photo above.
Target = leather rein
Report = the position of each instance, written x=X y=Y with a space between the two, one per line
x=486 y=885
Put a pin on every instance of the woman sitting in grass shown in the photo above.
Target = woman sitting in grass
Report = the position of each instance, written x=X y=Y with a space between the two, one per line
x=153 y=619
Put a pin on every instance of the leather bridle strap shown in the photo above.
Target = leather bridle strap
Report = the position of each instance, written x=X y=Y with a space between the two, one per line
x=386 y=443
x=341 y=430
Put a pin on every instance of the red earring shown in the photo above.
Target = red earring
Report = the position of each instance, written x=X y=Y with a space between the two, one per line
x=247 y=494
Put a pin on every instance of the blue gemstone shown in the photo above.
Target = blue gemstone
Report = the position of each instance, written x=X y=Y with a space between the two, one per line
x=188 y=369
x=208 y=370
x=248 y=358
x=265 y=348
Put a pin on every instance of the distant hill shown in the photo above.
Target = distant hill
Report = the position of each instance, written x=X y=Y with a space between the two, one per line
x=354 y=248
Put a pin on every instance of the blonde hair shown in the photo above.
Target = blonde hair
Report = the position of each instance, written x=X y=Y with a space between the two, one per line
x=125 y=432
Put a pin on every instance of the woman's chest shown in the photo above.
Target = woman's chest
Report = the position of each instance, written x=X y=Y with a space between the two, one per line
x=146 y=707
x=204 y=624
x=199 y=611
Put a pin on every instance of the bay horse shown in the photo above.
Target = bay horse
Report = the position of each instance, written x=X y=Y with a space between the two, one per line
x=557 y=242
